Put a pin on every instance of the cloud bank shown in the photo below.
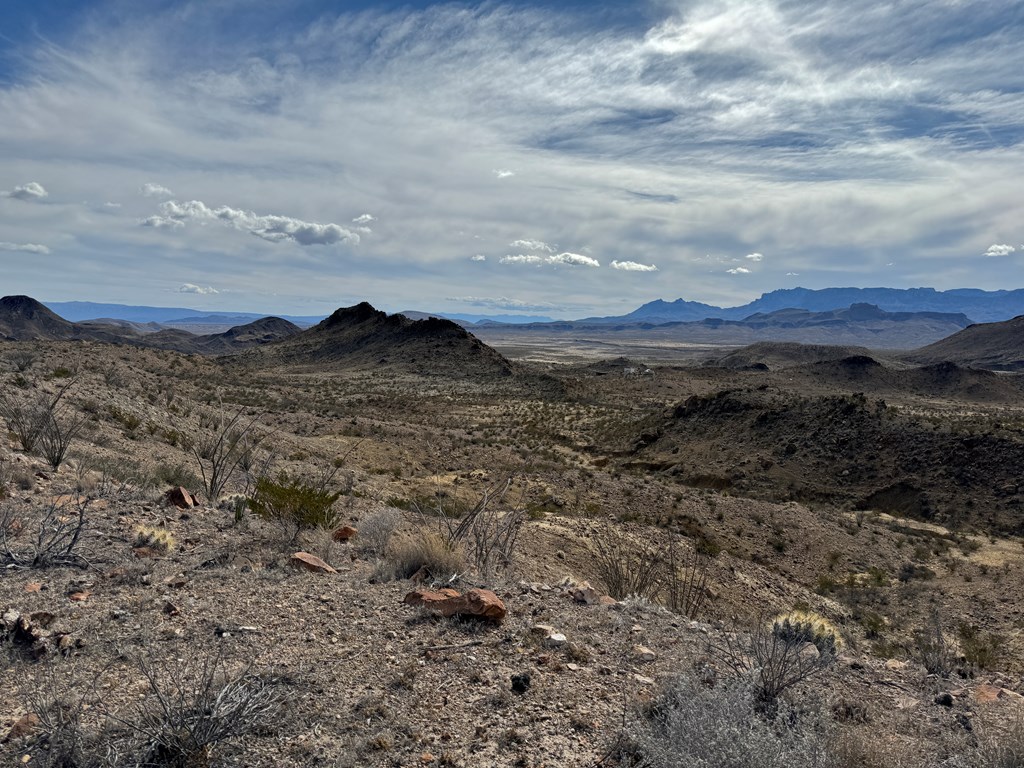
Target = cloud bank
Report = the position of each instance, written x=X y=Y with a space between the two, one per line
x=31 y=191
x=632 y=266
x=272 y=228
x=24 y=247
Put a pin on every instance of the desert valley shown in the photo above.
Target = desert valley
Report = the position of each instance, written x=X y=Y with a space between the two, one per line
x=377 y=540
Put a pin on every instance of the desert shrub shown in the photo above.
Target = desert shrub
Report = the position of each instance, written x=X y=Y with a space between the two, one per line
x=932 y=647
x=686 y=580
x=701 y=724
x=25 y=418
x=49 y=538
x=1000 y=747
x=22 y=359
x=777 y=655
x=159 y=539
x=293 y=504
x=377 y=528
x=177 y=475
x=626 y=569
x=981 y=649
x=192 y=706
x=219 y=455
x=424 y=549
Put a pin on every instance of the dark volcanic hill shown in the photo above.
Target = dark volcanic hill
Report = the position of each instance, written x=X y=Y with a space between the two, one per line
x=847 y=449
x=363 y=337
x=232 y=341
x=22 y=318
x=997 y=346
x=783 y=354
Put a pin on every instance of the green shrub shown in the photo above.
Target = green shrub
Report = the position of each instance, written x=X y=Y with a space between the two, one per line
x=293 y=504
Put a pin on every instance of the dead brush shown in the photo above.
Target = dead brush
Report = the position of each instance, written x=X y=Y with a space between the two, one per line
x=49 y=538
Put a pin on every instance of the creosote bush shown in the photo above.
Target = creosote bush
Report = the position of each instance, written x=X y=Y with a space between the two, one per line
x=293 y=504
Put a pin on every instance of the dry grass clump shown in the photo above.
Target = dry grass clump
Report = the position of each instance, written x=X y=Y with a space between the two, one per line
x=377 y=528
x=158 y=539
x=423 y=549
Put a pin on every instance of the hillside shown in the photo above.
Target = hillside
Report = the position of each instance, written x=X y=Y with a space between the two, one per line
x=361 y=337
x=997 y=346
x=22 y=318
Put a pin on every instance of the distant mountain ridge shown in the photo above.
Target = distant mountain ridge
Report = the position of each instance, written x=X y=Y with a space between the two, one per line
x=978 y=305
x=78 y=311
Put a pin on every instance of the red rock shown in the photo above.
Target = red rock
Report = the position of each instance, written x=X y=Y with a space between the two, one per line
x=144 y=552
x=481 y=603
x=80 y=596
x=986 y=694
x=344 y=533
x=310 y=563
x=180 y=498
x=33 y=586
x=25 y=726
x=429 y=597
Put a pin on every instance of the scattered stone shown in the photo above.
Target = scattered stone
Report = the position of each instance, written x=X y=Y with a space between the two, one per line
x=181 y=498
x=33 y=586
x=79 y=596
x=310 y=563
x=986 y=694
x=345 y=533
x=542 y=629
x=944 y=699
x=171 y=609
x=895 y=665
x=643 y=653
x=26 y=726
x=643 y=680
x=478 y=603
x=145 y=552
x=521 y=682
x=573 y=667
x=556 y=640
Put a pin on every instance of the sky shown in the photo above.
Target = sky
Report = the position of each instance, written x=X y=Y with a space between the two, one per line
x=565 y=159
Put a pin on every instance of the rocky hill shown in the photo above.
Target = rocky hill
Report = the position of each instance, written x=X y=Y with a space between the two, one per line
x=997 y=346
x=361 y=337
x=22 y=318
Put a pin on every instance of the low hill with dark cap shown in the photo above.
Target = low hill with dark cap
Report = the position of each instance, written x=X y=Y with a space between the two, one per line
x=997 y=346
x=362 y=337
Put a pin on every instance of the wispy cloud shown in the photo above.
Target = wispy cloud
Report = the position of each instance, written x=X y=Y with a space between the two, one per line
x=31 y=191
x=755 y=256
x=364 y=218
x=478 y=257
x=1000 y=250
x=198 y=289
x=632 y=266
x=503 y=302
x=738 y=271
x=273 y=228
x=24 y=247
x=818 y=133
x=533 y=245
x=150 y=189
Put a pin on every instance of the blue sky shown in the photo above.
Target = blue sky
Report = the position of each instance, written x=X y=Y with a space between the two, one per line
x=565 y=159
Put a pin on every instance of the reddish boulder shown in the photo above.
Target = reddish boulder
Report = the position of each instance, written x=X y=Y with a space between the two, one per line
x=478 y=603
x=180 y=498
x=344 y=533
x=310 y=563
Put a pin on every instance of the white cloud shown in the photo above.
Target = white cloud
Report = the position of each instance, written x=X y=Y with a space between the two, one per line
x=112 y=206
x=1000 y=250
x=755 y=256
x=573 y=259
x=155 y=190
x=738 y=271
x=24 y=247
x=161 y=222
x=198 y=289
x=503 y=302
x=554 y=259
x=532 y=245
x=273 y=228
x=31 y=191
x=478 y=257
x=522 y=259
x=365 y=218
x=632 y=266
x=503 y=173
